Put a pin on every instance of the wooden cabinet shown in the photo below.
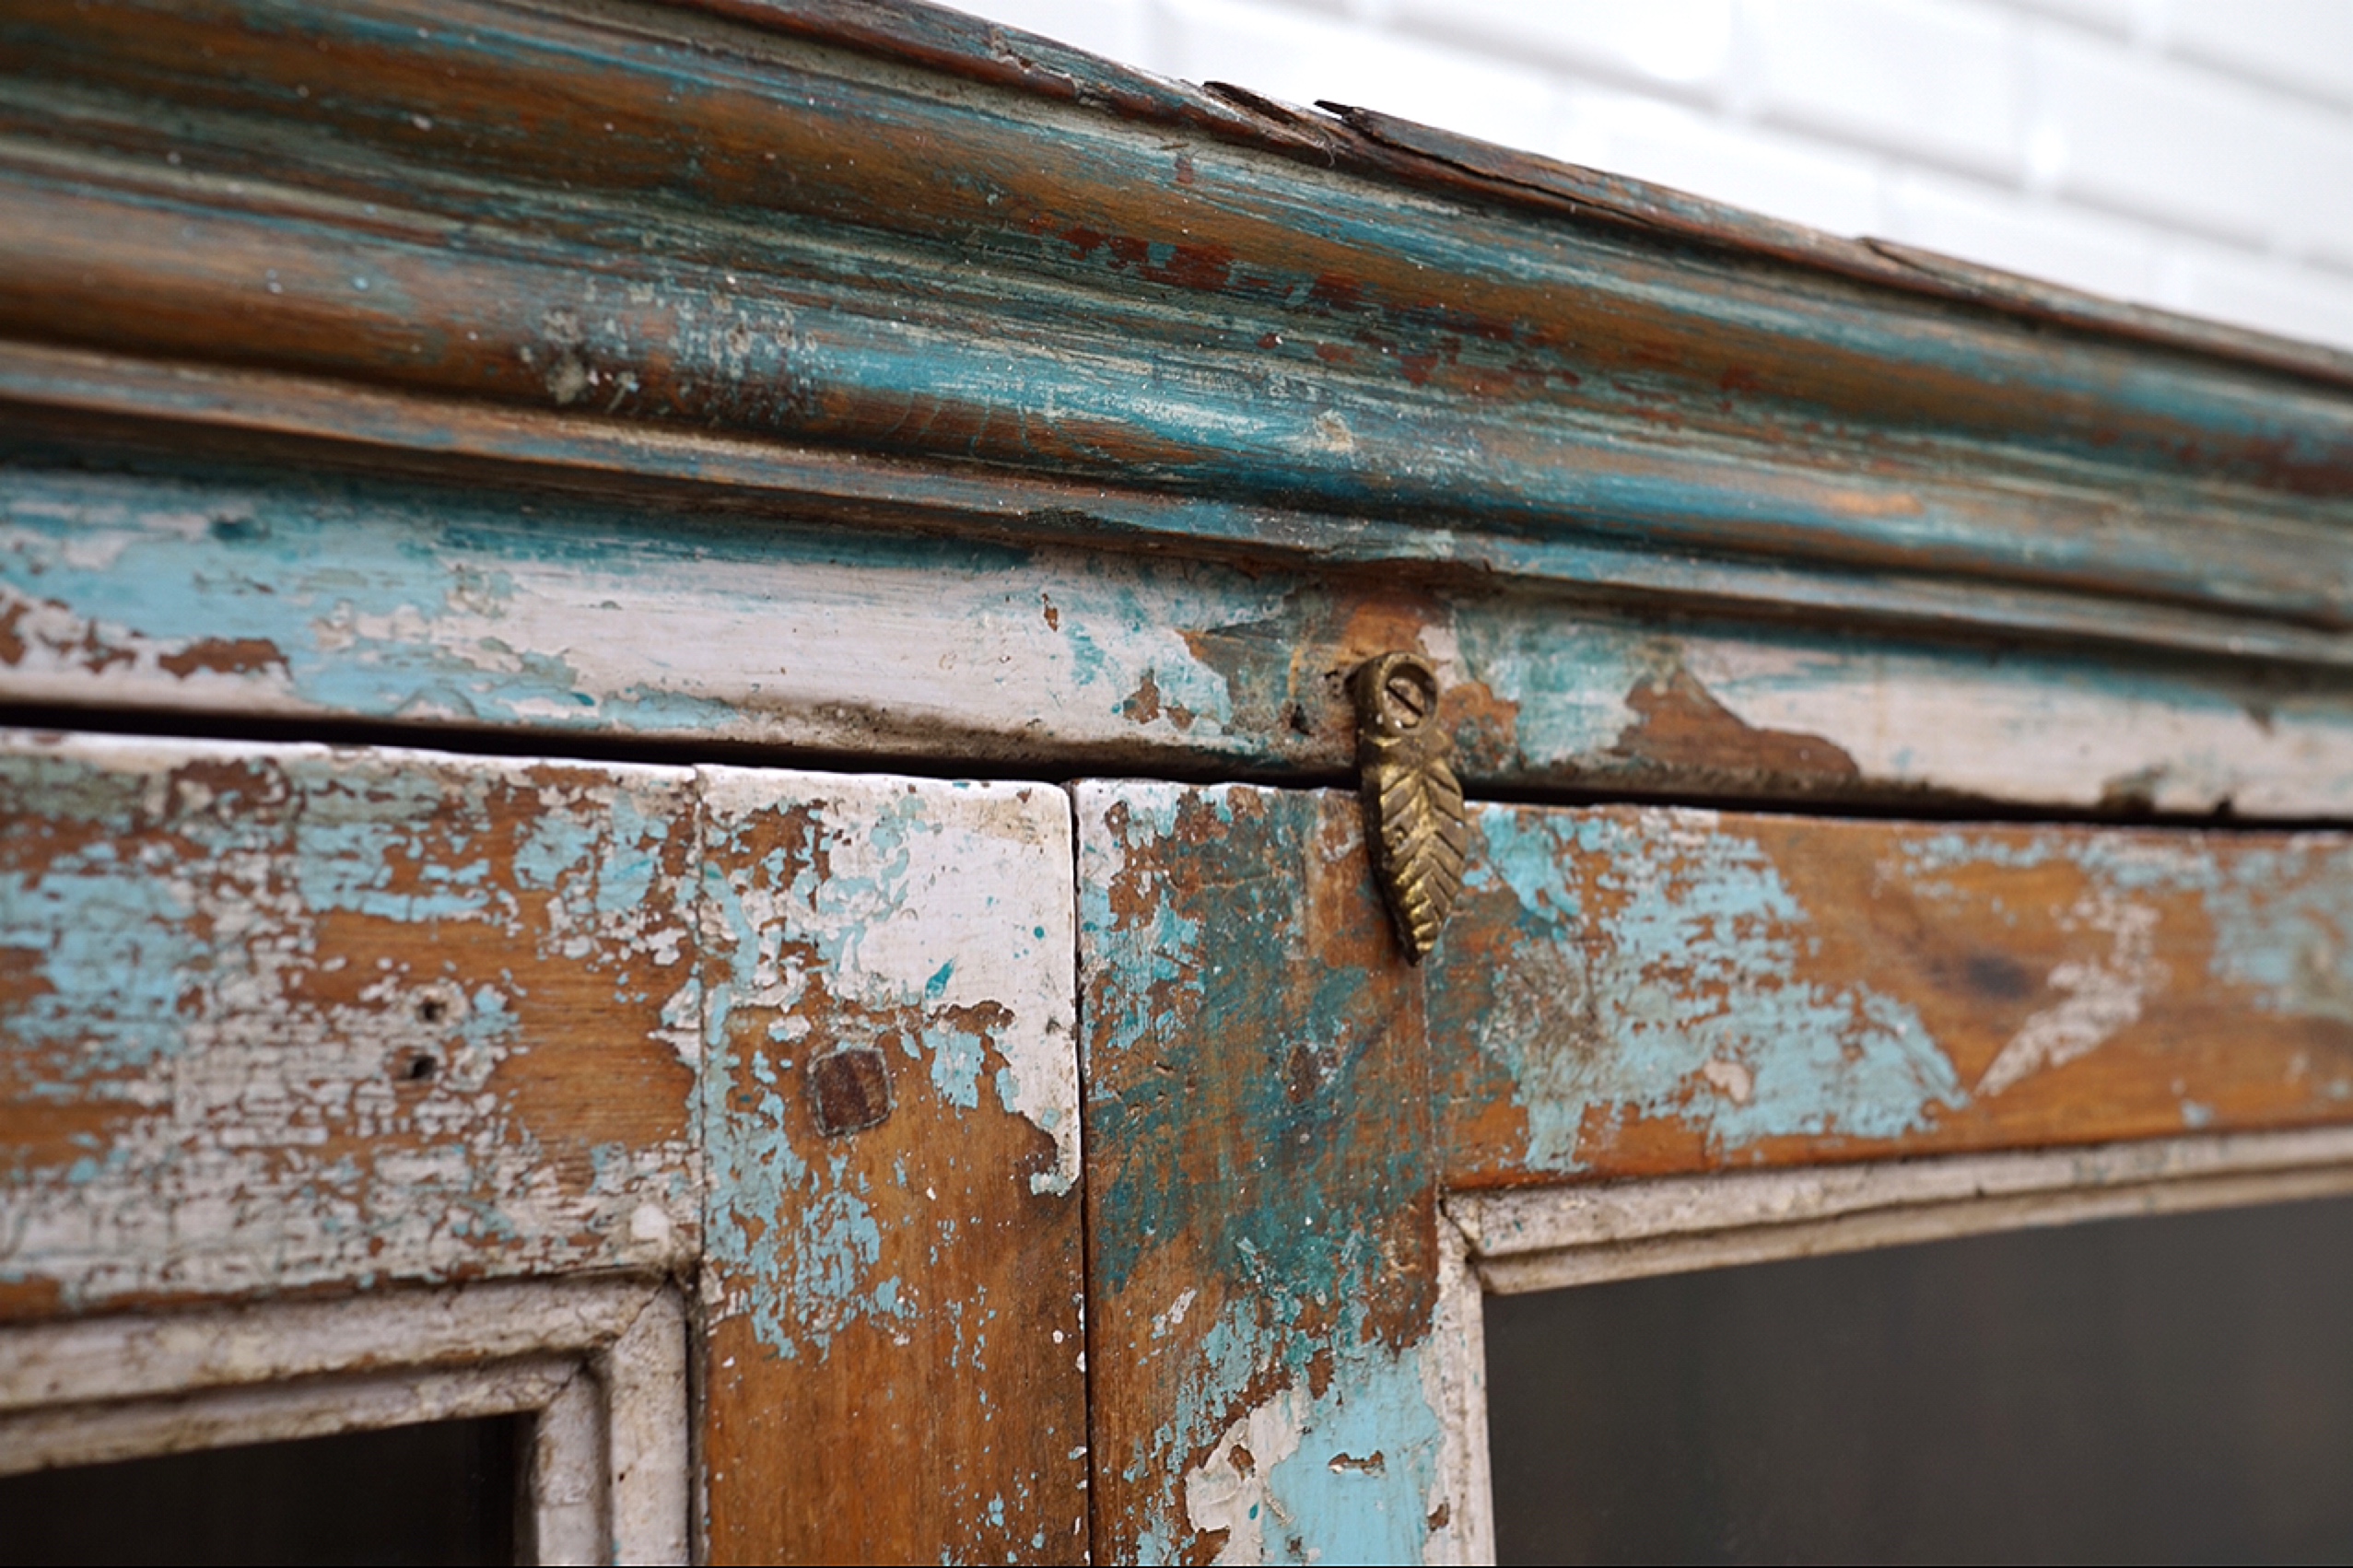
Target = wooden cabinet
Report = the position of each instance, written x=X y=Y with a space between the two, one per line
x=681 y=767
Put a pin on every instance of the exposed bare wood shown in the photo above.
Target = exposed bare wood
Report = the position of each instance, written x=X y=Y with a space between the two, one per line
x=278 y=1018
x=1627 y=991
x=894 y=1308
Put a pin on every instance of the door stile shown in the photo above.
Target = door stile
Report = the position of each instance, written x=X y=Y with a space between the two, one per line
x=892 y=1286
x=1268 y=1379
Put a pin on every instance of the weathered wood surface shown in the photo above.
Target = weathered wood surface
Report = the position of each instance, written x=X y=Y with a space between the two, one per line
x=1627 y=991
x=1364 y=139
x=894 y=1367
x=230 y=592
x=80 y=397
x=1621 y=993
x=279 y=1018
x=1262 y=1245
x=670 y=219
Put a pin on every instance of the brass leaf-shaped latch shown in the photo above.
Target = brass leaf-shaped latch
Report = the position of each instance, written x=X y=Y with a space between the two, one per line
x=1414 y=814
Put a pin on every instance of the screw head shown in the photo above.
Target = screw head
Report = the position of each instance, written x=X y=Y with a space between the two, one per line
x=849 y=1090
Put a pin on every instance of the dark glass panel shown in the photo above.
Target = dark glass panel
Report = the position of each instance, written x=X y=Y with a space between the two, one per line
x=2158 y=1389
x=444 y=1492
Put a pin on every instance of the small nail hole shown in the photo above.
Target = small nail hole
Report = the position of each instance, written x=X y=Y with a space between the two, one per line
x=421 y=1068
x=431 y=1010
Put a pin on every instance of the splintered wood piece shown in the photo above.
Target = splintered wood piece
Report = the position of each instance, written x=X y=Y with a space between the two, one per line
x=892 y=1362
x=1630 y=991
x=276 y=1018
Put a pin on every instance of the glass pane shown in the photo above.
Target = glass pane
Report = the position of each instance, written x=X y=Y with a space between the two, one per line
x=444 y=1492
x=2174 y=1389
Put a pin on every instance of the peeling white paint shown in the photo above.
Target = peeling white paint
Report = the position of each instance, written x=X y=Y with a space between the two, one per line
x=936 y=897
x=1992 y=732
x=1552 y=1238
x=1731 y=1079
x=266 y=1126
x=2099 y=996
x=1164 y=1321
x=601 y=1364
x=1228 y=1490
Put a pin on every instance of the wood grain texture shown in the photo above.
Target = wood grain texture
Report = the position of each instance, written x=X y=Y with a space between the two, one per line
x=1263 y=1253
x=1625 y=992
x=235 y=592
x=894 y=1315
x=278 y=1018
x=1367 y=140
x=1621 y=992
x=305 y=422
x=559 y=210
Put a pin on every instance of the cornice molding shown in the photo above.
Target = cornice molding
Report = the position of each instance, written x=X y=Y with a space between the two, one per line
x=901 y=230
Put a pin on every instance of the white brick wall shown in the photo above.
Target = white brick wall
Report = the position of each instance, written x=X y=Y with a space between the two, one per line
x=2196 y=154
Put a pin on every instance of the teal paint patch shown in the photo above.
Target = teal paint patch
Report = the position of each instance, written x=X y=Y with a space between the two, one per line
x=1254 y=1112
x=2279 y=911
x=957 y=1057
x=179 y=915
x=1359 y=1487
x=2283 y=925
x=1678 y=995
x=404 y=601
x=826 y=900
x=1568 y=679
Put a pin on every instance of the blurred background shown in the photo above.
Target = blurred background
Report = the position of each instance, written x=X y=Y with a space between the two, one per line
x=2192 y=154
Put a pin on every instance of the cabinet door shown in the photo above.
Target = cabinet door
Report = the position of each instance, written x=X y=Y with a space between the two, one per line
x=480 y=1061
x=1648 y=1039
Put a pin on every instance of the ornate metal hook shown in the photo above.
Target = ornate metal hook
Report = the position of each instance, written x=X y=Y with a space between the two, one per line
x=1414 y=822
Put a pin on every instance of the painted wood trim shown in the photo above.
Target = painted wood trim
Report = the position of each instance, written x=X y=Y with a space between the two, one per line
x=1551 y=1238
x=1627 y=991
x=1386 y=147
x=1563 y=1237
x=894 y=1309
x=286 y=1018
x=224 y=1418
x=1269 y=1380
x=83 y=396
x=602 y=1364
x=1467 y=1535
x=72 y=399
x=1490 y=374
x=432 y=606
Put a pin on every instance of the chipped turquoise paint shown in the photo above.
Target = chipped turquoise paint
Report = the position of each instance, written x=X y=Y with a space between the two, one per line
x=1569 y=678
x=409 y=603
x=957 y=1057
x=2283 y=925
x=128 y=933
x=1703 y=939
x=406 y=602
x=2279 y=911
x=793 y=1227
x=1205 y=993
x=171 y=929
x=1156 y=971
x=1360 y=1491
x=1357 y=1487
